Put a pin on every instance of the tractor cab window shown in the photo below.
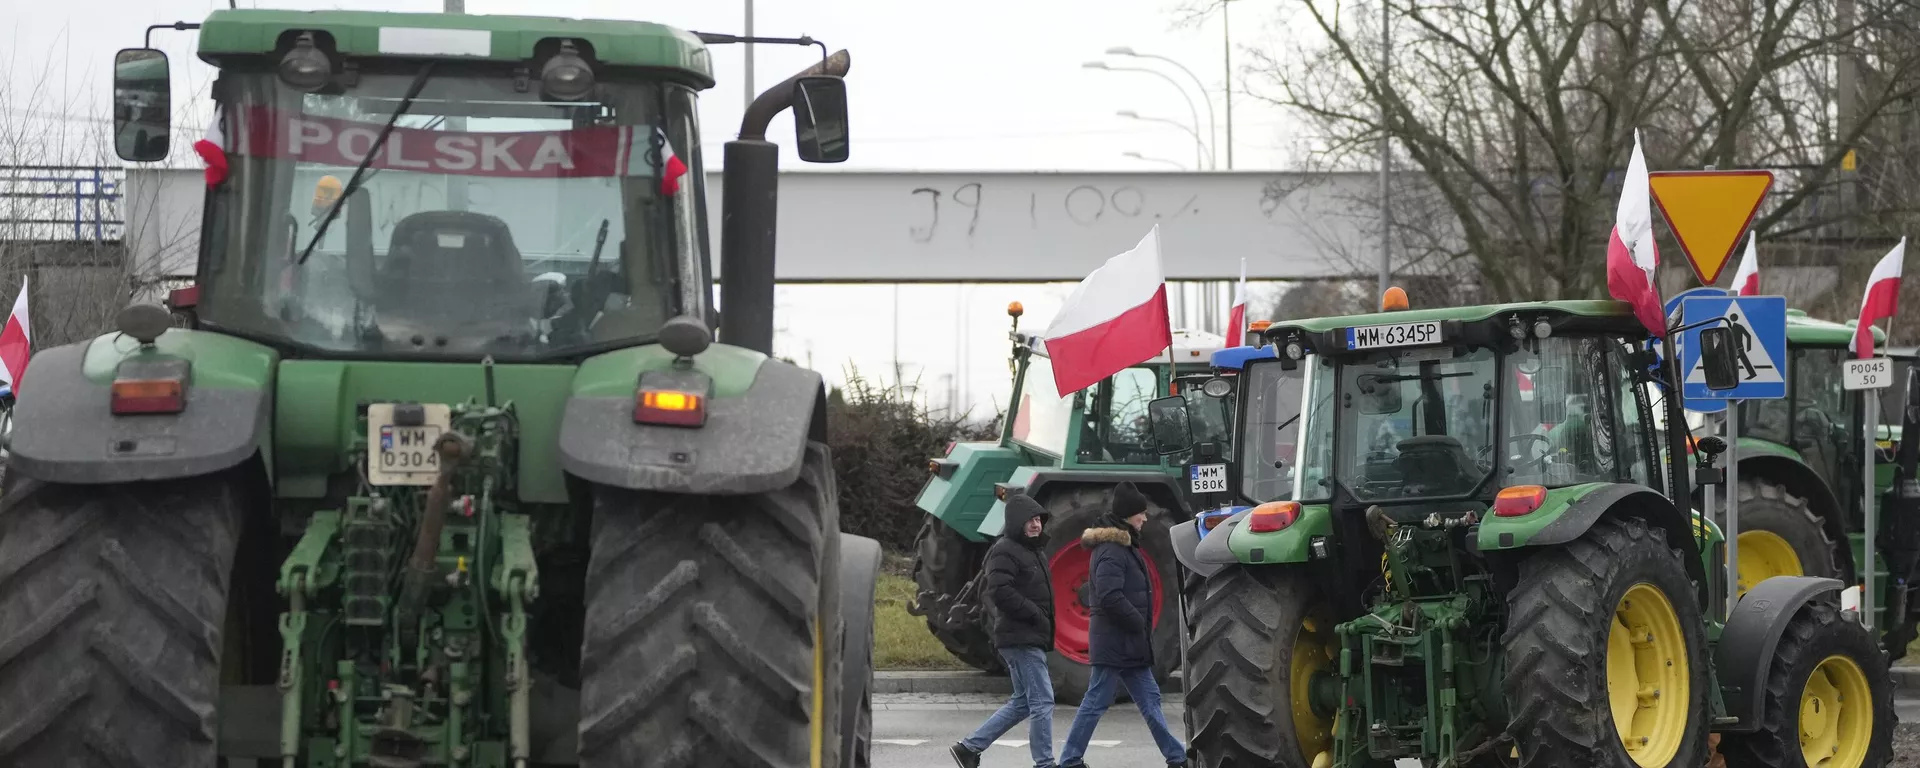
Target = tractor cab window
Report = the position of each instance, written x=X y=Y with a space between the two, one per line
x=490 y=222
x=1416 y=423
x=1560 y=426
x=1271 y=456
x=1041 y=418
x=1116 y=429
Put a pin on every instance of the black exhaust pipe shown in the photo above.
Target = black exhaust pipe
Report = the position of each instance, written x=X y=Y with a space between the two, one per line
x=750 y=198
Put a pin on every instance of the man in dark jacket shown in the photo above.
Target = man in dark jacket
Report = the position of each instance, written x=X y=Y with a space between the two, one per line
x=1021 y=596
x=1122 y=632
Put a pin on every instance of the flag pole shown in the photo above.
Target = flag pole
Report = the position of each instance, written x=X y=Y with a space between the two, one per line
x=1172 y=388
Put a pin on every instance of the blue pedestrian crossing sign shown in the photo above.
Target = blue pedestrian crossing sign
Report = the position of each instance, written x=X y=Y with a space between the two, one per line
x=1758 y=326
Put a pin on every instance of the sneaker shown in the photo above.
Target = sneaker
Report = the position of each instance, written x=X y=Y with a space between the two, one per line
x=967 y=758
x=1181 y=763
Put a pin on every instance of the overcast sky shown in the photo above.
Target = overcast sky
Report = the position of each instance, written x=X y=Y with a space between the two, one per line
x=986 y=84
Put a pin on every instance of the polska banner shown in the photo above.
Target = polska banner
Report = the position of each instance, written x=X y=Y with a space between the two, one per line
x=593 y=151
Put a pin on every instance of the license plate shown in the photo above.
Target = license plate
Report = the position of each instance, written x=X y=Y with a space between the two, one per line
x=403 y=454
x=1393 y=335
x=1209 y=478
x=1871 y=373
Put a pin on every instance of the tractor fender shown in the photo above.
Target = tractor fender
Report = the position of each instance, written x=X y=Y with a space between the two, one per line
x=1753 y=632
x=1217 y=549
x=859 y=573
x=64 y=429
x=1186 y=539
x=1569 y=512
x=760 y=415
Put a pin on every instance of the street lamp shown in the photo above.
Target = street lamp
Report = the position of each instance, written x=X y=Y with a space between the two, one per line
x=1194 y=113
x=1213 y=124
x=1199 y=147
x=1138 y=156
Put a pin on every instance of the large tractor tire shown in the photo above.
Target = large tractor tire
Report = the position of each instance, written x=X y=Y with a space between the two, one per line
x=112 y=603
x=1261 y=637
x=859 y=569
x=944 y=563
x=1780 y=535
x=1829 y=702
x=712 y=628
x=1069 y=565
x=1592 y=625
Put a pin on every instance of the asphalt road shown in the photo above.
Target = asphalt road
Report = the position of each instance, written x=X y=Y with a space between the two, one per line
x=914 y=731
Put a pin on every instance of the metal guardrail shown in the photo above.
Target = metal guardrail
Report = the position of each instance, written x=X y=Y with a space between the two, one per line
x=61 y=202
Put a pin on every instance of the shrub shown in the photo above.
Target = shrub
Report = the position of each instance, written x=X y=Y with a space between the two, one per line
x=881 y=441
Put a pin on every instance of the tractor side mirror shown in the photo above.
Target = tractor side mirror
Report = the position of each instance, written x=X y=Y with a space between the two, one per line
x=1171 y=431
x=1550 y=392
x=1716 y=359
x=820 y=119
x=142 y=105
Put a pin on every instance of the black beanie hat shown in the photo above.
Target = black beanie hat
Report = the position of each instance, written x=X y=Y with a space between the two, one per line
x=1127 y=501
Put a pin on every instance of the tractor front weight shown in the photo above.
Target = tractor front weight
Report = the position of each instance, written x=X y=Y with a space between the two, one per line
x=407 y=673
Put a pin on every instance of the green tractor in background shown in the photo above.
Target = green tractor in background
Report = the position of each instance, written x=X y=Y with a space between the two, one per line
x=1067 y=453
x=414 y=474
x=1800 y=477
x=1458 y=574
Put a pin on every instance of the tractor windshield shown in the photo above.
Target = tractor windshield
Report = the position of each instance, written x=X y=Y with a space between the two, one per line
x=1415 y=423
x=492 y=222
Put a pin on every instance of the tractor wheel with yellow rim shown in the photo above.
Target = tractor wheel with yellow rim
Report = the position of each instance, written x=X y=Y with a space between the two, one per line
x=1606 y=655
x=1260 y=675
x=1829 y=700
x=1780 y=535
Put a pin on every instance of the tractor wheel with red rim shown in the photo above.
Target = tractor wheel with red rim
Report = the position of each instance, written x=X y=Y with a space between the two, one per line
x=1073 y=509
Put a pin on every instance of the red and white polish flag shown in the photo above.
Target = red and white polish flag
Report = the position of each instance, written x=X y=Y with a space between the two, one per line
x=1746 y=279
x=1880 y=300
x=212 y=149
x=1237 y=316
x=1631 y=254
x=16 y=343
x=1115 y=318
x=671 y=166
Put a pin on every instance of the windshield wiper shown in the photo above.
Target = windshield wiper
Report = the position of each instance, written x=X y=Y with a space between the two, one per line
x=359 y=171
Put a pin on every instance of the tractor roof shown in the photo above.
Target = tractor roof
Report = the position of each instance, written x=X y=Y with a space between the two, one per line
x=1236 y=358
x=1188 y=347
x=1595 y=309
x=249 y=32
x=1814 y=332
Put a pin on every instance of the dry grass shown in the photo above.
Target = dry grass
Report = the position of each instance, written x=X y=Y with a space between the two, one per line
x=901 y=639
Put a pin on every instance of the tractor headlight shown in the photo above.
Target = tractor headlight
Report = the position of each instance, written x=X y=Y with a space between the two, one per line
x=1217 y=387
x=1541 y=329
x=1295 y=351
x=305 y=68
x=566 y=76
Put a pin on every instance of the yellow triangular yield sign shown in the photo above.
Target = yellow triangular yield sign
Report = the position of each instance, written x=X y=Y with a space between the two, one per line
x=1708 y=212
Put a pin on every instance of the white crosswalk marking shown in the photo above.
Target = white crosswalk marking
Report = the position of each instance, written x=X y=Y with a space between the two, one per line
x=1010 y=743
x=901 y=742
x=1098 y=743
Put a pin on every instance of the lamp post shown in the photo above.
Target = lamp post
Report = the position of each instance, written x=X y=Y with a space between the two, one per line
x=1201 y=156
x=1191 y=111
x=749 y=77
x=1138 y=156
x=1213 y=124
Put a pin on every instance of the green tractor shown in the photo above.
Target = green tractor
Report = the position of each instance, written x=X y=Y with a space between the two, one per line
x=1067 y=453
x=1457 y=574
x=1799 y=479
x=414 y=475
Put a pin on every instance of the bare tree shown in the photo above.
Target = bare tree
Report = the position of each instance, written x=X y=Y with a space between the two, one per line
x=1514 y=119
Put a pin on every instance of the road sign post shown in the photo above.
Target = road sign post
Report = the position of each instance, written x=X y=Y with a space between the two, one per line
x=1869 y=376
x=1759 y=330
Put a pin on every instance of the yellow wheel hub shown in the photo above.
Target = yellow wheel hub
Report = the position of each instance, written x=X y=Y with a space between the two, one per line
x=1836 y=715
x=1764 y=555
x=1313 y=652
x=1648 y=682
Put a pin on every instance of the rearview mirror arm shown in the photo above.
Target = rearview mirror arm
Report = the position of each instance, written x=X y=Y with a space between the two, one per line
x=179 y=26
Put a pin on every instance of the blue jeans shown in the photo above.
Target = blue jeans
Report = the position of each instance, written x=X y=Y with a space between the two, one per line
x=1145 y=693
x=1032 y=701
